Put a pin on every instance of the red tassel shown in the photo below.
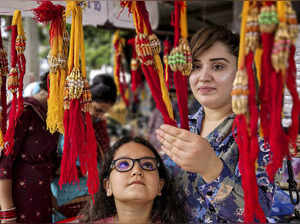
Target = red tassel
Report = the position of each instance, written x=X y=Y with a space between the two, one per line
x=91 y=157
x=278 y=139
x=156 y=93
x=240 y=134
x=47 y=12
x=254 y=146
x=10 y=133
x=72 y=144
x=180 y=83
x=264 y=93
x=149 y=70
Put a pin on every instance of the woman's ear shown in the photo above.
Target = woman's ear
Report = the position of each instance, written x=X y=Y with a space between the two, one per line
x=107 y=187
x=161 y=186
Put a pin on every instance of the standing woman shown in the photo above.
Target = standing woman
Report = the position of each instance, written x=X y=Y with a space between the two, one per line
x=25 y=175
x=204 y=160
x=71 y=198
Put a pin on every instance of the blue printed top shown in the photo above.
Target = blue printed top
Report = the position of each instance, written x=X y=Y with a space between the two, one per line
x=222 y=199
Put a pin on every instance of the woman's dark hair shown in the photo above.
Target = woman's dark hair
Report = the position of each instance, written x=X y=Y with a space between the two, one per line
x=103 y=89
x=167 y=208
x=208 y=35
x=44 y=81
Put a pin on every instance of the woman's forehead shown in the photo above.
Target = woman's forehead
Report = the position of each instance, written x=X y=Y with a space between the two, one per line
x=133 y=150
x=217 y=50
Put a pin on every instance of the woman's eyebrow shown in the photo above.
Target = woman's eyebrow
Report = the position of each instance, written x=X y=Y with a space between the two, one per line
x=218 y=59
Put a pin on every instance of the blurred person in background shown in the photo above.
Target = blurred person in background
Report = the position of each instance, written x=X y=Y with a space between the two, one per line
x=26 y=174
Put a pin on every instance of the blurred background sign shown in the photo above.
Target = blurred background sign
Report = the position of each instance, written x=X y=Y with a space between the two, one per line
x=96 y=12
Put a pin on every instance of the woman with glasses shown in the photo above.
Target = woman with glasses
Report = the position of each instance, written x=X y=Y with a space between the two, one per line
x=135 y=187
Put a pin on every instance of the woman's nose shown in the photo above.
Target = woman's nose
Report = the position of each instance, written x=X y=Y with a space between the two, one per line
x=136 y=170
x=205 y=75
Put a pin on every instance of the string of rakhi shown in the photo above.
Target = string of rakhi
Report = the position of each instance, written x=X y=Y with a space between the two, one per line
x=3 y=75
x=136 y=75
x=167 y=49
x=244 y=106
x=118 y=44
x=47 y=12
x=283 y=75
x=15 y=78
x=148 y=48
x=271 y=25
x=79 y=138
x=180 y=60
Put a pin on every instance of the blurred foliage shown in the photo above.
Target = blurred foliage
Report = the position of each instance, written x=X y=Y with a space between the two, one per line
x=98 y=45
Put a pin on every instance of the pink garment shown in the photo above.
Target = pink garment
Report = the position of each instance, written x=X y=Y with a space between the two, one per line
x=109 y=220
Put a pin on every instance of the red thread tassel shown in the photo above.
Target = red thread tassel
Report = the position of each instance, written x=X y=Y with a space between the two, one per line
x=10 y=133
x=264 y=93
x=180 y=81
x=91 y=157
x=254 y=146
x=239 y=129
x=156 y=90
x=68 y=163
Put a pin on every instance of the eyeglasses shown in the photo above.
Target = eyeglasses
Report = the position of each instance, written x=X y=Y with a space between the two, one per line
x=126 y=164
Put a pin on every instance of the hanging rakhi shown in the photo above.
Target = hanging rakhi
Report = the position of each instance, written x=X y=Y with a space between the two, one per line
x=136 y=80
x=118 y=44
x=57 y=60
x=148 y=48
x=79 y=138
x=3 y=74
x=267 y=23
x=15 y=79
x=167 y=48
x=283 y=72
x=180 y=61
x=245 y=123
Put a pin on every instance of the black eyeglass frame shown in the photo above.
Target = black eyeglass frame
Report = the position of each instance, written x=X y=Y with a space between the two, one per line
x=113 y=163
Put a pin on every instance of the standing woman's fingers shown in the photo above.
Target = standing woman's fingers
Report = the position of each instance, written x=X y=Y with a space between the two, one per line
x=178 y=133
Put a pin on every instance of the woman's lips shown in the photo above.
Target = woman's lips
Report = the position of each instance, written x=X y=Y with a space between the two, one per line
x=206 y=90
x=137 y=182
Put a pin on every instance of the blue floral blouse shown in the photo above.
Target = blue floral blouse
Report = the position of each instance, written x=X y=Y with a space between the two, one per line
x=222 y=199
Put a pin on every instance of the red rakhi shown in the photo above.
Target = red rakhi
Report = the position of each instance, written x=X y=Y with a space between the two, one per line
x=148 y=48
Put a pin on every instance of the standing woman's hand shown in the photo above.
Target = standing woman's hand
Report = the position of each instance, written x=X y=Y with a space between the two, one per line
x=190 y=151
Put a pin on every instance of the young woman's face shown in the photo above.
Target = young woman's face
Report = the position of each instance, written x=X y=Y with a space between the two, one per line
x=136 y=184
x=99 y=109
x=212 y=77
